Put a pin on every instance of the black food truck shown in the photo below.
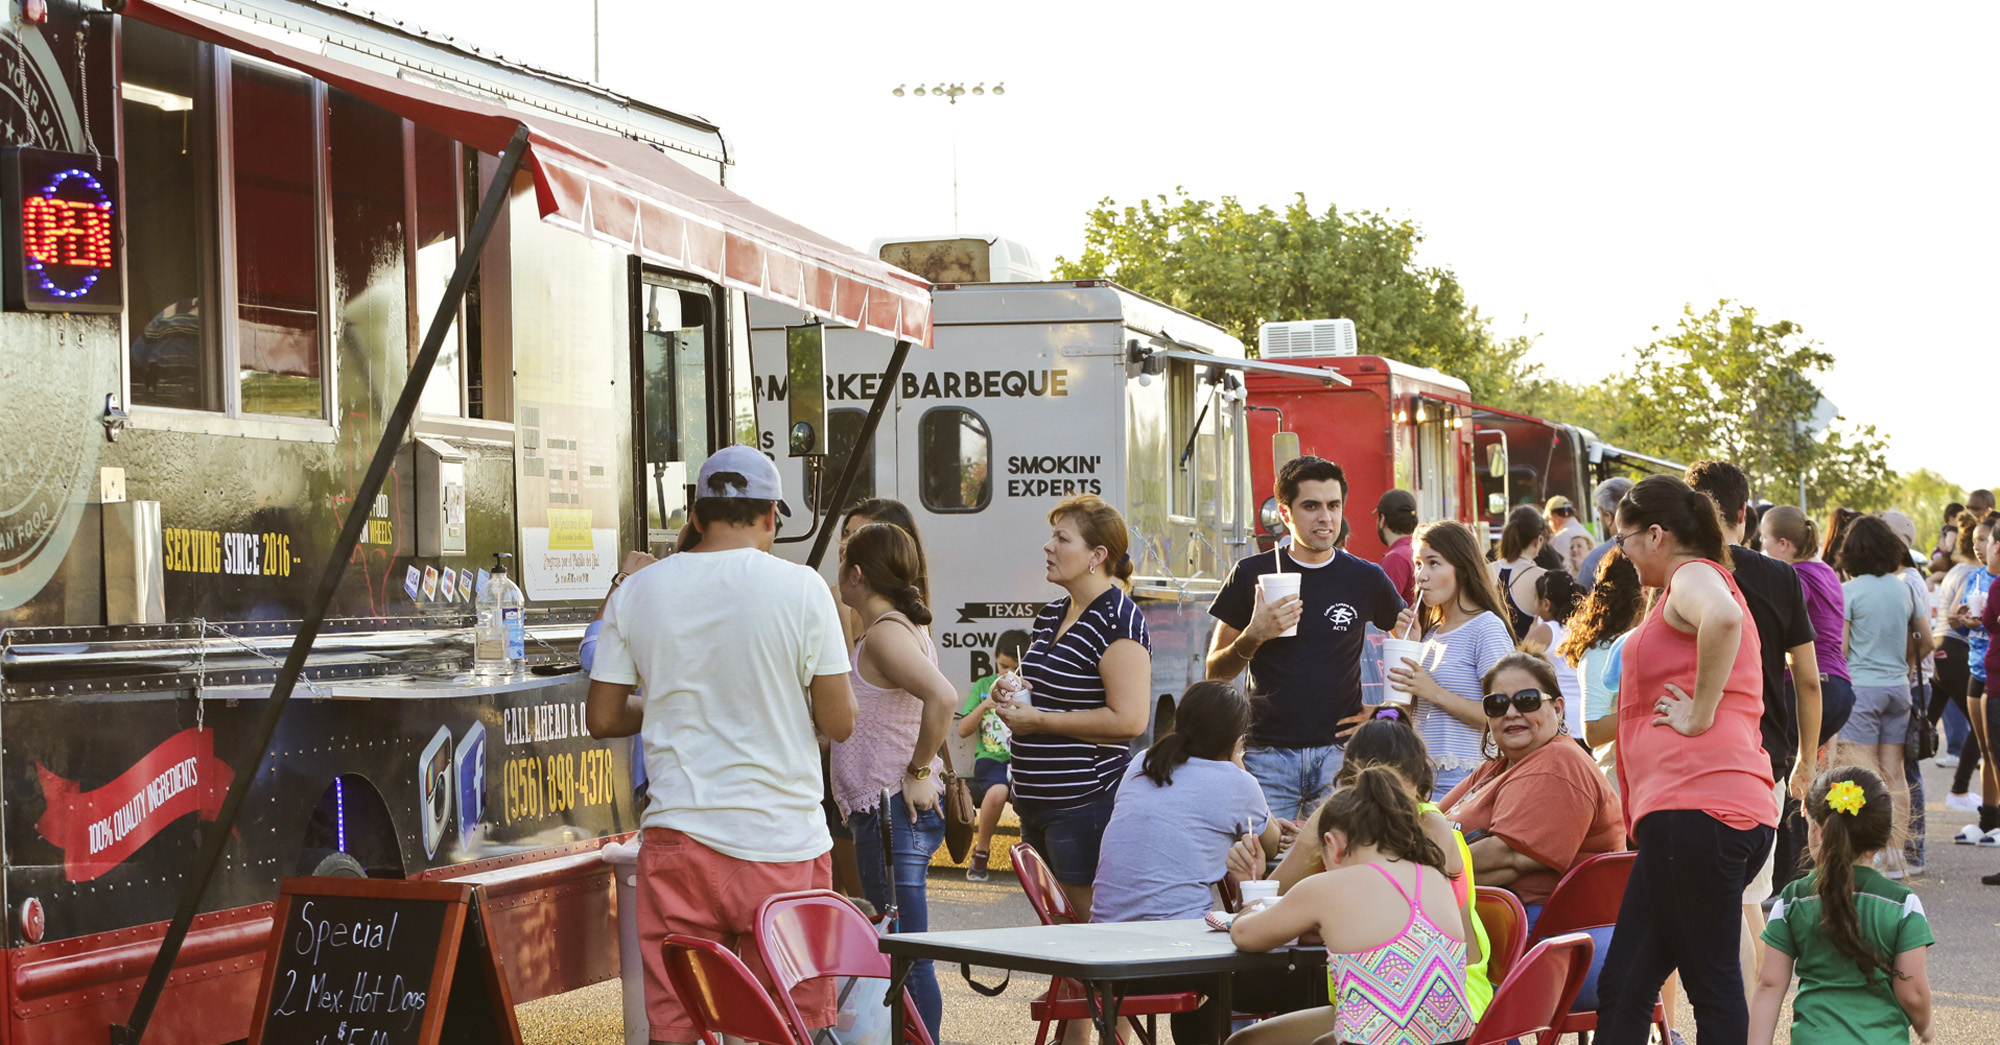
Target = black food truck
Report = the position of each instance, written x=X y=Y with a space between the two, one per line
x=233 y=230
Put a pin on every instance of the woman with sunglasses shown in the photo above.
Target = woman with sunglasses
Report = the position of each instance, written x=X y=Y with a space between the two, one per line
x=1538 y=806
x=1692 y=772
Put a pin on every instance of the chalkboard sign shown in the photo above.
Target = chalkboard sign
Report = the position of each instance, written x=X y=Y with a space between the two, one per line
x=362 y=961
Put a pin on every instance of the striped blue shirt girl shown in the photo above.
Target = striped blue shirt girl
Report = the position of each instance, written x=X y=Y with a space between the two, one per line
x=1064 y=675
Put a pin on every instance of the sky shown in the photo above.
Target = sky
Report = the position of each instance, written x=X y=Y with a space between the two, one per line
x=1586 y=170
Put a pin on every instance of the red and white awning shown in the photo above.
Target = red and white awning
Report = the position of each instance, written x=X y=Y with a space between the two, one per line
x=621 y=192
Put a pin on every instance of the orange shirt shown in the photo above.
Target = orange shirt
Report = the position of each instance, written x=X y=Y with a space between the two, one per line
x=1553 y=805
x=1723 y=772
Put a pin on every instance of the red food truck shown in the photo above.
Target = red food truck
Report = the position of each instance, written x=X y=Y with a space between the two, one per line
x=1395 y=426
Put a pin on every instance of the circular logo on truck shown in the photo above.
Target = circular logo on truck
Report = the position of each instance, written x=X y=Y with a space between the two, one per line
x=69 y=361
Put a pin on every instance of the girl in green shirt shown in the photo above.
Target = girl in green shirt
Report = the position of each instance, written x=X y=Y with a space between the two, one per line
x=1856 y=939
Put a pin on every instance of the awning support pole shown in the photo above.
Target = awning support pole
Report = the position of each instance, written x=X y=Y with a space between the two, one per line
x=863 y=444
x=250 y=760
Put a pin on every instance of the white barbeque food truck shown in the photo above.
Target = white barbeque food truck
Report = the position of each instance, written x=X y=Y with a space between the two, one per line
x=1038 y=392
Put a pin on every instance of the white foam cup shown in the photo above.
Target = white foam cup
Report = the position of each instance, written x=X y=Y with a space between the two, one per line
x=1263 y=889
x=1394 y=651
x=1274 y=586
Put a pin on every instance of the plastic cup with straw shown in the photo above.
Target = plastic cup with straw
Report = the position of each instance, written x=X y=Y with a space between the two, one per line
x=1396 y=650
x=1274 y=586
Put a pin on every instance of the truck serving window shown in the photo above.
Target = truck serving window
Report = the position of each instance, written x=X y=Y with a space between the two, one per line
x=271 y=217
x=843 y=429
x=954 y=460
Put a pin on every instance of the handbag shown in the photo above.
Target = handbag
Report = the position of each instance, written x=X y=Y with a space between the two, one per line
x=1922 y=740
x=960 y=815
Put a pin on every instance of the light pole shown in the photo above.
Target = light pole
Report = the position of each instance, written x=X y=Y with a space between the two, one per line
x=951 y=92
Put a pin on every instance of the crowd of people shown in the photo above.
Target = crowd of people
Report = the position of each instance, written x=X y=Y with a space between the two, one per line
x=1737 y=698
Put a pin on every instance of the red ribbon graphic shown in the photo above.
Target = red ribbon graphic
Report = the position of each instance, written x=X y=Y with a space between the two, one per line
x=97 y=830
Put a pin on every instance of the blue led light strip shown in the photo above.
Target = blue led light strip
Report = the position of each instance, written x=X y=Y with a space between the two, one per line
x=103 y=203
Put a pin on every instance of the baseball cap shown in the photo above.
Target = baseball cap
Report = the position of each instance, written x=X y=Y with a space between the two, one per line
x=1396 y=501
x=761 y=482
x=1559 y=503
x=1901 y=525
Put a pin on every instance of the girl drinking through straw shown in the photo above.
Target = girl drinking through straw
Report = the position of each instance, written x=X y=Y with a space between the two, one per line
x=1855 y=938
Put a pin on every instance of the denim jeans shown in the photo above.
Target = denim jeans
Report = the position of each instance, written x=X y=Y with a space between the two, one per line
x=911 y=849
x=1295 y=779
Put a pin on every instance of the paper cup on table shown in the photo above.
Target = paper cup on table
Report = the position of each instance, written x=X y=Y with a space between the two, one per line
x=1274 y=586
x=1260 y=892
x=1394 y=651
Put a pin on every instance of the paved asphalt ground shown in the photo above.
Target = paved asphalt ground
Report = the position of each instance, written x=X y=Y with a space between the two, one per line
x=1964 y=966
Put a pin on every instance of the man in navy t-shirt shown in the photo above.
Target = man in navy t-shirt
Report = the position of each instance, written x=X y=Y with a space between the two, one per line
x=1302 y=688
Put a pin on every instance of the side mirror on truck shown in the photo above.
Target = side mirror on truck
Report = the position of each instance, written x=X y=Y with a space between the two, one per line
x=1284 y=450
x=805 y=389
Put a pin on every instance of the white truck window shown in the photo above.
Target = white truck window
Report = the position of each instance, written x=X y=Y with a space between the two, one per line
x=954 y=460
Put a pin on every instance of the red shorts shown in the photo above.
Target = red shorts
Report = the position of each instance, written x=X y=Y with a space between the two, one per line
x=686 y=887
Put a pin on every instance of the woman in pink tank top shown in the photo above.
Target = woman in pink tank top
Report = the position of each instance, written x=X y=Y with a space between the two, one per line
x=1692 y=772
x=886 y=775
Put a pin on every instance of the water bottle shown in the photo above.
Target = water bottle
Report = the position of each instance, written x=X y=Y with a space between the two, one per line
x=499 y=647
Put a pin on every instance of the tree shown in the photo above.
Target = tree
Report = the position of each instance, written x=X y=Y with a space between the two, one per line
x=1724 y=384
x=1240 y=268
x=1924 y=494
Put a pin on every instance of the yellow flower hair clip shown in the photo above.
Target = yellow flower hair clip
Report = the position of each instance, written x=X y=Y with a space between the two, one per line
x=1846 y=797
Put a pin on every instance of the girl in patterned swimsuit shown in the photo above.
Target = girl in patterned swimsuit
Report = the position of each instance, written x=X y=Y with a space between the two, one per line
x=1385 y=909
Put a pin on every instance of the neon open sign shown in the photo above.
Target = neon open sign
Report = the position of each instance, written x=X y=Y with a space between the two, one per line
x=62 y=223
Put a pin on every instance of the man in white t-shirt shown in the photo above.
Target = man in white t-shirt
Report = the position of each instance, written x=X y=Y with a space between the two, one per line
x=741 y=657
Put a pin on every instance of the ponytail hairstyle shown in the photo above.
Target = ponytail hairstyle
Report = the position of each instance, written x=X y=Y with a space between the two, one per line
x=1844 y=838
x=1613 y=607
x=1100 y=526
x=1682 y=511
x=1524 y=526
x=1211 y=718
x=1837 y=522
x=1394 y=743
x=1968 y=527
x=1561 y=592
x=890 y=510
x=886 y=555
x=1379 y=809
x=1455 y=544
x=1793 y=524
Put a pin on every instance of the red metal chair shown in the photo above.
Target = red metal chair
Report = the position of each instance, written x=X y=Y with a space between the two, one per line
x=1588 y=898
x=1506 y=923
x=721 y=995
x=1230 y=893
x=808 y=935
x=1065 y=1000
x=1536 y=994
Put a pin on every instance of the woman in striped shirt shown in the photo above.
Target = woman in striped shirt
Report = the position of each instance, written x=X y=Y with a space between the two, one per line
x=1081 y=695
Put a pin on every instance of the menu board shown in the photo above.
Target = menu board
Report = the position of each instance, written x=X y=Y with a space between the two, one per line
x=361 y=961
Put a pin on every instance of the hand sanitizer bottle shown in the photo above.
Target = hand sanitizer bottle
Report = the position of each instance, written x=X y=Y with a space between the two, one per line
x=499 y=648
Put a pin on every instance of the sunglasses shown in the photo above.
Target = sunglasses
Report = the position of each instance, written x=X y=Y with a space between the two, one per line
x=1527 y=702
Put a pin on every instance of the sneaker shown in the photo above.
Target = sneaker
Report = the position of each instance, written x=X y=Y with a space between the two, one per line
x=1991 y=879
x=1970 y=834
x=1948 y=761
x=976 y=870
x=1961 y=801
x=1890 y=865
x=1990 y=839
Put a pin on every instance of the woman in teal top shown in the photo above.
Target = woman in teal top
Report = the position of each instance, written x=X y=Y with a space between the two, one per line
x=1856 y=939
x=1883 y=617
